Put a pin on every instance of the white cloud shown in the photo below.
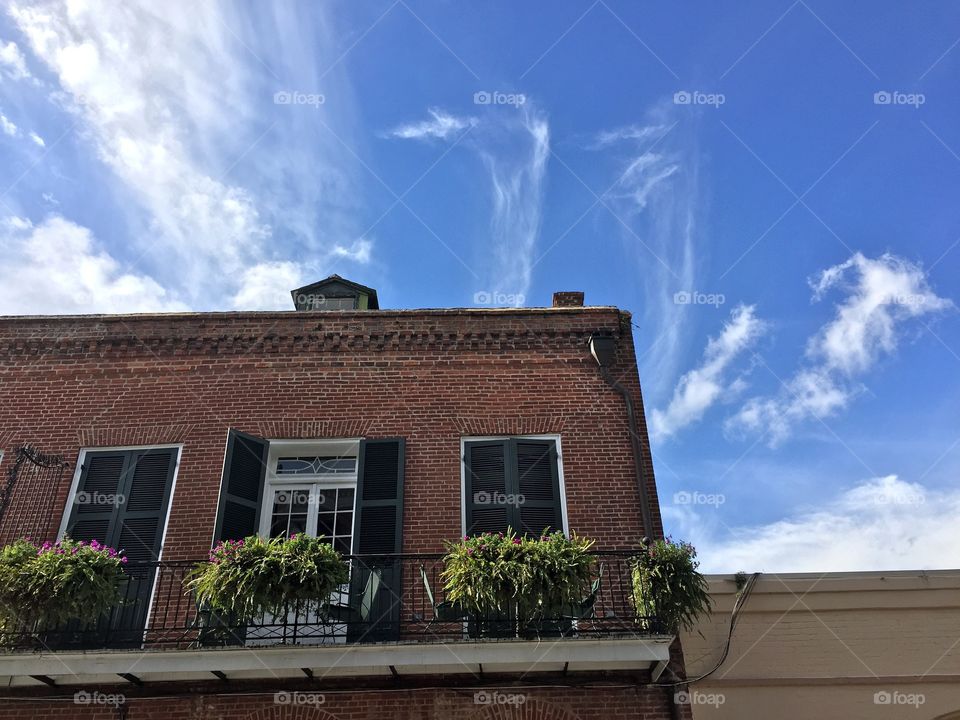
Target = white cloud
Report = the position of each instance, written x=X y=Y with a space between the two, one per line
x=140 y=107
x=517 y=172
x=37 y=139
x=12 y=62
x=879 y=524
x=882 y=293
x=657 y=194
x=703 y=386
x=267 y=286
x=358 y=251
x=628 y=132
x=170 y=103
x=60 y=269
x=882 y=296
x=7 y=125
x=442 y=125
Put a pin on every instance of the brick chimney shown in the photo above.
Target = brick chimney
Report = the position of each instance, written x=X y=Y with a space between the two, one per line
x=568 y=299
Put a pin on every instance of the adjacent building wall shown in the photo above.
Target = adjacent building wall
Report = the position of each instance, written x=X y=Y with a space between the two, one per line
x=856 y=646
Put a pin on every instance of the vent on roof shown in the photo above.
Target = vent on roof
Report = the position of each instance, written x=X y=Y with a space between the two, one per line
x=335 y=293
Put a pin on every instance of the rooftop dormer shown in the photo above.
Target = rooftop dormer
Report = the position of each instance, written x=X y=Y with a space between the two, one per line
x=335 y=293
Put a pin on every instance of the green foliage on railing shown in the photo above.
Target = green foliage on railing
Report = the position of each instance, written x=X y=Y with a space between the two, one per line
x=247 y=577
x=46 y=586
x=506 y=573
x=667 y=585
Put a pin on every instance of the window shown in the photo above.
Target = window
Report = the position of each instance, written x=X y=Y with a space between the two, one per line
x=310 y=488
x=337 y=303
x=512 y=483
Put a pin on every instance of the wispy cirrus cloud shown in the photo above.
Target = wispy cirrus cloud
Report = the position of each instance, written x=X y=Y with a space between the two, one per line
x=700 y=388
x=605 y=138
x=514 y=147
x=179 y=106
x=882 y=296
x=441 y=125
x=517 y=174
x=657 y=195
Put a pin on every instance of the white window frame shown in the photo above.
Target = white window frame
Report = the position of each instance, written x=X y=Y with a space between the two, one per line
x=349 y=447
x=481 y=438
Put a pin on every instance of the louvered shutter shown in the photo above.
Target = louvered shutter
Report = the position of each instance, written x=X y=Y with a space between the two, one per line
x=122 y=501
x=486 y=466
x=241 y=489
x=379 y=532
x=147 y=487
x=537 y=487
x=94 y=512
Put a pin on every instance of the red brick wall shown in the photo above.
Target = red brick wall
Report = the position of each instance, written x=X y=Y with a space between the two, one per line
x=429 y=376
x=538 y=703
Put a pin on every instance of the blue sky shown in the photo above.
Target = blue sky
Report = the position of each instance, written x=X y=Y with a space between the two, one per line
x=770 y=188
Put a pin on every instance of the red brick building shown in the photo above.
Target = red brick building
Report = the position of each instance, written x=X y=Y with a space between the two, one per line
x=387 y=431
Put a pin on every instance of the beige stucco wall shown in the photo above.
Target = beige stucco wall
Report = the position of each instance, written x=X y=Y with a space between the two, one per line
x=823 y=646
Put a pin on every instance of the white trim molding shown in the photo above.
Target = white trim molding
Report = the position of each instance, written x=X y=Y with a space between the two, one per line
x=73 y=668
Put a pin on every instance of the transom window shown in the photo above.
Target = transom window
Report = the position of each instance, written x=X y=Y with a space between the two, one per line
x=311 y=488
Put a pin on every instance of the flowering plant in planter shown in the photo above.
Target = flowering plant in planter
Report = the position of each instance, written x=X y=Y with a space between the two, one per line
x=244 y=578
x=503 y=573
x=667 y=585
x=44 y=587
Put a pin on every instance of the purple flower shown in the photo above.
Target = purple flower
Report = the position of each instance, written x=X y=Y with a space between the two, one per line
x=123 y=560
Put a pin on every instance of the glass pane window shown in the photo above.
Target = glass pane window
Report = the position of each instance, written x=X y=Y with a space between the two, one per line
x=316 y=465
x=290 y=511
x=335 y=517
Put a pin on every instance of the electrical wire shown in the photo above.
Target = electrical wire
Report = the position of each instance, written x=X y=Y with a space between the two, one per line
x=734 y=617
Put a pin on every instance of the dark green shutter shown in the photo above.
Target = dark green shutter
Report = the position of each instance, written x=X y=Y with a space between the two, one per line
x=100 y=476
x=512 y=483
x=537 y=487
x=241 y=489
x=138 y=484
x=379 y=532
x=486 y=485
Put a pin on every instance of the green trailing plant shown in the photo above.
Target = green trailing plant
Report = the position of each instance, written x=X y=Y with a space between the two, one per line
x=243 y=578
x=503 y=573
x=44 y=587
x=667 y=585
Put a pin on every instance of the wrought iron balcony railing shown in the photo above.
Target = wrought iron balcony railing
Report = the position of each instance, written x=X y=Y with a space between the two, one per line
x=392 y=598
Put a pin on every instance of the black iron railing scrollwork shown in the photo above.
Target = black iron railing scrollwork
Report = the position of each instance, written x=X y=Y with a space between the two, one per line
x=28 y=495
x=364 y=611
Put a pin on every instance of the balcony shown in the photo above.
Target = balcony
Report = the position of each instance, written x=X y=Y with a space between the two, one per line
x=367 y=629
